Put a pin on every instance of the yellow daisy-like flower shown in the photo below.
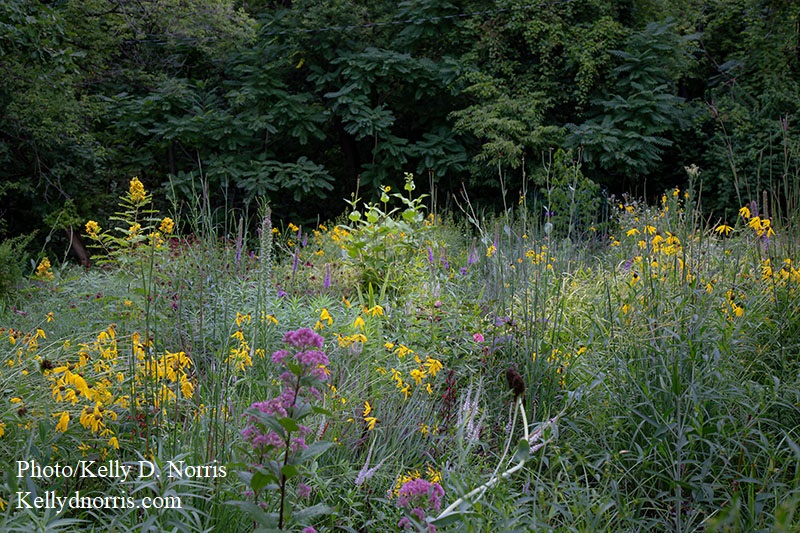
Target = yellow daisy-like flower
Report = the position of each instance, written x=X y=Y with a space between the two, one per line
x=114 y=443
x=433 y=366
x=136 y=192
x=63 y=421
x=2 y=429
x=403 y=350
x=631 y=232
x=326 y=316
x=406 y=390
x=744 y=212
x=187 y=388
x=723 y=228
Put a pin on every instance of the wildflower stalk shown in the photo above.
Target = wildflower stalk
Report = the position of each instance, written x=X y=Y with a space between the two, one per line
x=524 y=447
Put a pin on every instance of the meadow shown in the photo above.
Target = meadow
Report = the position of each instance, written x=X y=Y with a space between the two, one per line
x=402 y=368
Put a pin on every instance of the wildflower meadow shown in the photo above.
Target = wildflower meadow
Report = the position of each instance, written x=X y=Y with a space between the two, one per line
x=409 y=368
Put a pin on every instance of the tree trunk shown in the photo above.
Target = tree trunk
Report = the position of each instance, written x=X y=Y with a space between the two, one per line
x=78 y=248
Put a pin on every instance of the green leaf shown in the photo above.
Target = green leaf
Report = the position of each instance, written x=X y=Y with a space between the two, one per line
x=257 y=514
x=315 y=449
x=305 y=515
x=290 y=471
x=523 y=451
x=289 y=424
x=260 y=480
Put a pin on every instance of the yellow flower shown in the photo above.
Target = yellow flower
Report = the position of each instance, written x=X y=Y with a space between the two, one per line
x=433 y=475
x=43 y=270
x=136 y=192
x=241 y=319
x=370 y=420
x=2 y=432
x=134 y=230
x=92 y=228
x=418 y=375
x=744 y=212
x=63 y=422
x=376 y=310
x=403 y=350
x=167 y=225
x=632 y=232
x=723 y=228
x=292 y=227
x=93 y=418
x=433 y=366
x=359 y=323
x=325 y=315
x=187 y=388
x=406 y=390
x=491 y=250
x=114 y=443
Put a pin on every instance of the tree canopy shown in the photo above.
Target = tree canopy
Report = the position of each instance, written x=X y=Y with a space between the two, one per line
x=302 y=102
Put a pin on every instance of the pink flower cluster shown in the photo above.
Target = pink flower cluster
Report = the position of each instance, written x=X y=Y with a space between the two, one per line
x=295 y=388
x=417 y=496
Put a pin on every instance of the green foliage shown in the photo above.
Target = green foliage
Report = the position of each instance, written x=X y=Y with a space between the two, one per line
x=13 y=259
x=572 y=203
x=630 y=130
x=507 y=127
x=379 y=242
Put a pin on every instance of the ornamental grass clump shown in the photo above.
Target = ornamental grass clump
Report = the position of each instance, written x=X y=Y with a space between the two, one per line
x=278 y=441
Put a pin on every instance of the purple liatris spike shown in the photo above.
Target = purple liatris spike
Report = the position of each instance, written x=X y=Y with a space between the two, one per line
x=327 y=281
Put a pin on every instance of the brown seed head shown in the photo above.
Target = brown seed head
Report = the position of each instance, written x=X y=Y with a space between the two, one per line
x=515 y=381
